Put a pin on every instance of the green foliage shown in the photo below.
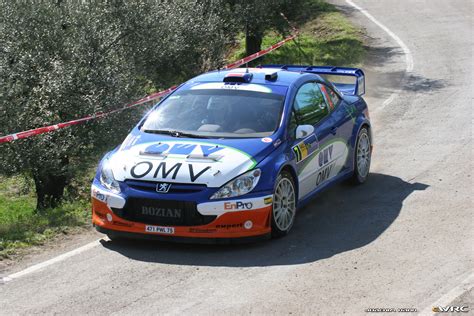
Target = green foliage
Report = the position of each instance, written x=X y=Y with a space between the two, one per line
x=65 y=60
x=328 y=39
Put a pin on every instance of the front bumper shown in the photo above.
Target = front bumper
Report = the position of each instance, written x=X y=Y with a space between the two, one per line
x=237 y=218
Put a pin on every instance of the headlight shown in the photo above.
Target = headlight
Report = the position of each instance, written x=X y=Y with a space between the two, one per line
x=239 y=186
x=107 y=178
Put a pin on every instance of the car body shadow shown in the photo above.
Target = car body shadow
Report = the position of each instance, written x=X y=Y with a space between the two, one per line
x=341 y=219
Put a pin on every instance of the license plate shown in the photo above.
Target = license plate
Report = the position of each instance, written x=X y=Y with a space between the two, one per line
x=159 y=229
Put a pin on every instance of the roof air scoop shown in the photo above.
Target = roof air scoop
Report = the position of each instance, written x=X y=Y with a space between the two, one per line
x=271 y=77
x=238 y=77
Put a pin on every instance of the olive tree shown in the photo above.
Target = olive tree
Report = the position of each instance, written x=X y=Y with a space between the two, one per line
x=257 y=16
x=65 y=60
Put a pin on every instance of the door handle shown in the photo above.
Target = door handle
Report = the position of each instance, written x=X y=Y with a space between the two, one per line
x=334 y=130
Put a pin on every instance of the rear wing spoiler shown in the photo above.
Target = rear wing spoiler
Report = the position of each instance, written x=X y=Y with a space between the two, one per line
x=349 y=81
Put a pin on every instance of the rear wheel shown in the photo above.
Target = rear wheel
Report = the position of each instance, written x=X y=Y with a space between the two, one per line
x=284 y=205
x=362 y=156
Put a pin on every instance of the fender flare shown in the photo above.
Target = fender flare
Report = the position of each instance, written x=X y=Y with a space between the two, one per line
x=363 y=121
x=287 y=165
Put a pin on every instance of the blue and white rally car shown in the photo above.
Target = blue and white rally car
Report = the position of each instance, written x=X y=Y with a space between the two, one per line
x=234 y=154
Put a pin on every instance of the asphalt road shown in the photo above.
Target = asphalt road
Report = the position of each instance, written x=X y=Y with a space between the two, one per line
x=404 y=239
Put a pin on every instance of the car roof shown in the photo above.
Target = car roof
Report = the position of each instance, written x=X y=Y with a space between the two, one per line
x=284 y=77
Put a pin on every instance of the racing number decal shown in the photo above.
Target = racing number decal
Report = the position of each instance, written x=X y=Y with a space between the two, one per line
x=303 y=149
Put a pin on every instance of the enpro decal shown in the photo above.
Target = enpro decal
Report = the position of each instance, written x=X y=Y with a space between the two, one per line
x=238 y=205
x=221 y=207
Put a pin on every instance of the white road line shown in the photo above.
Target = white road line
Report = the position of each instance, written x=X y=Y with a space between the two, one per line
x=406 y=50
x=446 y=299
x=468 y=283
x=49 y=262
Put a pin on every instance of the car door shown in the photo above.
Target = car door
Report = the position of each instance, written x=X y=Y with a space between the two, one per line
x=310 y=108
x=343 y=123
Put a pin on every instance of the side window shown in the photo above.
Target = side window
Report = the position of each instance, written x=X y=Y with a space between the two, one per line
x=310 y=105
x=331 y=97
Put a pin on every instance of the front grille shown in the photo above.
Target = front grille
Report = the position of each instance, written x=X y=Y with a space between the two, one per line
x=162 y=212
x=175 y=187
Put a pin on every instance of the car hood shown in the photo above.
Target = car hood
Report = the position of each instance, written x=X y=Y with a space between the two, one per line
x=213 y=162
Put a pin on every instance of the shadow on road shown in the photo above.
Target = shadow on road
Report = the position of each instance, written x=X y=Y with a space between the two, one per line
x=340 y=219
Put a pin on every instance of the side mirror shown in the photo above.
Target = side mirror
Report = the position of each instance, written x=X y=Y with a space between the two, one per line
x=304 y=130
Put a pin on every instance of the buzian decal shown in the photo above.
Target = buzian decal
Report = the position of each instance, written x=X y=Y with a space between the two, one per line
x=325 y=164
x=181 y=162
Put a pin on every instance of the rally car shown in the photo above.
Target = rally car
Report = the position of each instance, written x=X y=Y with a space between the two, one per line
x=233 y=154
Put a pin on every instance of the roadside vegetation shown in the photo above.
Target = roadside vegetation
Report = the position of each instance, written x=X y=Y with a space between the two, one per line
x=326 y=38
x=22 y=226
x=44 y=181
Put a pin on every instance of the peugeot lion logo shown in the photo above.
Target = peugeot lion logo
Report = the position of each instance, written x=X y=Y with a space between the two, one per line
x=163 y=187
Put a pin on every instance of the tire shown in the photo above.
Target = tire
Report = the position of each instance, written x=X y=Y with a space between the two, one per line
x=362 y=156
x=284 y=204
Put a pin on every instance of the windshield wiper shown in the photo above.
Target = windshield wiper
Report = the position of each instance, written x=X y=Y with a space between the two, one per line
x=173 y=133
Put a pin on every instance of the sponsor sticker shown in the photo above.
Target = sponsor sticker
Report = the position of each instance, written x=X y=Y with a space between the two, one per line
x=248 y=224
x=268 y=200
x=99 y=196
x=267 y=140
x=229 y=226
x=162 y=212
x=159 y=229
x=118 y=223
x=109 y=217
x=202 y=230
x=223 y=85
x=238 y=205
x=303 y=149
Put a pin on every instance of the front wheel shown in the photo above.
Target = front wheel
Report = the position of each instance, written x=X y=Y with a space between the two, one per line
x=284 y=205
x=362 y=156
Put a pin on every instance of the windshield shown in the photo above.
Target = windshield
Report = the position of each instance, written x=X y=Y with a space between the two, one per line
x=217 y=113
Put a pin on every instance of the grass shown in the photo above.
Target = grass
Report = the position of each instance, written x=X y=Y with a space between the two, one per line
x=22 y=227
x=326 y=38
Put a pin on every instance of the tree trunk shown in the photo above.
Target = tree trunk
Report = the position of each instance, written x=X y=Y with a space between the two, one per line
x=49 y=190
x=253 y=41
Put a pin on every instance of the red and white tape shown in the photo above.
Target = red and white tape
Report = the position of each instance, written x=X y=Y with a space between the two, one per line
x=50 y=128
x=154 y=96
